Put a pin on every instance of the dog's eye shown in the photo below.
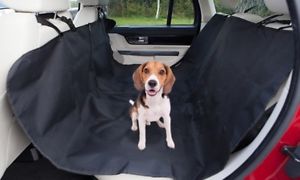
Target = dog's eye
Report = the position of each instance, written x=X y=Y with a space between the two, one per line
x=146 y=70
x=162 y=72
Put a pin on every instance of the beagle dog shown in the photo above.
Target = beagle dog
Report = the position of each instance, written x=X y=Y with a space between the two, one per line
x=155 y=81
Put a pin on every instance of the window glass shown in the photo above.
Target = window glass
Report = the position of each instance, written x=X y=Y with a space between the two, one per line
x=138 y=12
x=183 y=12
x=149 y=12
x=220 y=8
x=1 y=6
x=251 y=6
x=73 y=3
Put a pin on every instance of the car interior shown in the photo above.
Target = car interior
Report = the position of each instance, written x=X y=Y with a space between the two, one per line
x=24 y=34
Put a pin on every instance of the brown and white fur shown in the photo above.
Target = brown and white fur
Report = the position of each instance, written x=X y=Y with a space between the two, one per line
x=155 y=81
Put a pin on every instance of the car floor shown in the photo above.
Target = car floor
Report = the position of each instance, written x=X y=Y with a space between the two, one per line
x=27 y=169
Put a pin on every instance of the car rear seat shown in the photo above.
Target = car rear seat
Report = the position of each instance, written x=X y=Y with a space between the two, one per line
x=20 y=32
x=277 y=7
x=37 y=46
x=280 y=8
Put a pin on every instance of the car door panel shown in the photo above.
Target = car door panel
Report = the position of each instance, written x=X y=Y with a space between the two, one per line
x=127 y=53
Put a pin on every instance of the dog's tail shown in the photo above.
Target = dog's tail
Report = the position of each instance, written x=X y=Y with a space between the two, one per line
x=131 y=102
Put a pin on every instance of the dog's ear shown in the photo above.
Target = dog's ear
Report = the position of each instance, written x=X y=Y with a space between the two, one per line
x=170 y=80
x=137 y=77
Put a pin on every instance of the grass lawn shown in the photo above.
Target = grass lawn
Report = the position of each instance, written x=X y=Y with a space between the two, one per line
x=148 y=21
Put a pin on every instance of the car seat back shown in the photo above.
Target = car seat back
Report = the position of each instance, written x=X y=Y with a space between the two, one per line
x=20 y=32
x=88 y=12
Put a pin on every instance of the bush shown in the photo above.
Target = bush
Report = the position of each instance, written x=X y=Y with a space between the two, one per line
x=147 y=8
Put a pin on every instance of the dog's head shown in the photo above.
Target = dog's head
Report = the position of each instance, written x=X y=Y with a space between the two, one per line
x=153 y=76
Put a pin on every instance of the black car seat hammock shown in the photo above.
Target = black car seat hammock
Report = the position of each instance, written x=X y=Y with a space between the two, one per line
x=71 y=98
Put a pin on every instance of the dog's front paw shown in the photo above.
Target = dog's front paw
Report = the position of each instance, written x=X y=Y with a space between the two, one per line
x=141 y=146
x=171 y=144
x=134 y=128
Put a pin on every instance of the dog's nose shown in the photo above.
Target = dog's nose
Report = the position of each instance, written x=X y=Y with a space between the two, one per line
x=152 y=83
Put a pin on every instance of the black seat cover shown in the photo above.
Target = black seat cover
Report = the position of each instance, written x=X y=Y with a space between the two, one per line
x=71 y=98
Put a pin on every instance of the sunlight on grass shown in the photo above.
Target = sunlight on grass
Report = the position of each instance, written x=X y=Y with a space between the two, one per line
x=183 y=21
x=149 y=21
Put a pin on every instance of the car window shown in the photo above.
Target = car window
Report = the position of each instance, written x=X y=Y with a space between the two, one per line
x=2 y=6
x=183 y=12
x=73 y=4
x=150 y=12
x=254 y=7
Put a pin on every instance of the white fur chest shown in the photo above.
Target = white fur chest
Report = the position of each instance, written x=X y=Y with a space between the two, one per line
x=157 y=107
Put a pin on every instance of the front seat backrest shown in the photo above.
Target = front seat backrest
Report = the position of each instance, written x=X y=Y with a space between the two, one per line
x=20 y=33
x=88 y=12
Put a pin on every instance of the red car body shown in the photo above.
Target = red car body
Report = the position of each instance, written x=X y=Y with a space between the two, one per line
x=272 y=167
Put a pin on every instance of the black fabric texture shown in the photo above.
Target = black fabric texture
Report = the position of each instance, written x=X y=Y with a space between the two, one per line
x=71 y=98
x=25 y=168
x=251 y=134
x=40 y=170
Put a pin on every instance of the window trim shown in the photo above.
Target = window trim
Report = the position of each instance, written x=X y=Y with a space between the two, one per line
x=170 y=12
